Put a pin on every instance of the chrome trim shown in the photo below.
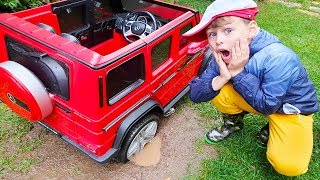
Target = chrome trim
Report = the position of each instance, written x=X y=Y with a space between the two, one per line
x=49 y=128
x=164 y=82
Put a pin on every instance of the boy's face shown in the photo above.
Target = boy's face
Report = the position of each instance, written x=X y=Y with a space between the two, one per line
x=225 y=31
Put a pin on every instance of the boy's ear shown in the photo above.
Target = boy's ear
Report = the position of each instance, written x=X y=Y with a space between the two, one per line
x=253 y=28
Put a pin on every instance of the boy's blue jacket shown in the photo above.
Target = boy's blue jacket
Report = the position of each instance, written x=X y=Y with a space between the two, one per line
x=272 y=78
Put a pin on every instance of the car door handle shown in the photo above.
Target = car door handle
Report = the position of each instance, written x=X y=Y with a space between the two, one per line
x=157 y=89
x=164 y=82
x=191 y=58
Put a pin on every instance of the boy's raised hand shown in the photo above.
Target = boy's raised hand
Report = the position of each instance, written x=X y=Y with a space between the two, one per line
x=240 y=57
x=224 y=72
x=224 y=77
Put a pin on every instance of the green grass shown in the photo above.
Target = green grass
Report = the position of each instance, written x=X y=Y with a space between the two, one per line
x=239 y=156
x=13 y=147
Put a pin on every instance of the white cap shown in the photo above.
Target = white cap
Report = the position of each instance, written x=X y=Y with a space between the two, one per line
x=241 y=8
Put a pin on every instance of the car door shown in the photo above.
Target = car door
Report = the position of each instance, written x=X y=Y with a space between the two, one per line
x=169 y=62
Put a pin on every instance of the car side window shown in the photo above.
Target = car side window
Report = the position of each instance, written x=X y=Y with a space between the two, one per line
x=160 y=52
x=125 y=78
x=183 y=41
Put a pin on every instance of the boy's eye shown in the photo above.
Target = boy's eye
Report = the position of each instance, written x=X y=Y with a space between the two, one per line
x=229 y=30
x=212 y=34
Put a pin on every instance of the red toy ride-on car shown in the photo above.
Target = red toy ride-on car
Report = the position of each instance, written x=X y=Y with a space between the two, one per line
x=99 y=73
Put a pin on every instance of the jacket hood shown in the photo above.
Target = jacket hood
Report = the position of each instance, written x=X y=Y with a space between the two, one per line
x=261 y=40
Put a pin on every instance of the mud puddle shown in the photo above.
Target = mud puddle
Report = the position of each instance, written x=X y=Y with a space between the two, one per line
x=179 y=158
x=150 y=154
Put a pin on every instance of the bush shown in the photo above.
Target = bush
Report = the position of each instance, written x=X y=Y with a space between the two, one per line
x=18 y=5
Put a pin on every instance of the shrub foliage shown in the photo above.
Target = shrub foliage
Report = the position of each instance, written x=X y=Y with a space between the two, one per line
x=18 y=5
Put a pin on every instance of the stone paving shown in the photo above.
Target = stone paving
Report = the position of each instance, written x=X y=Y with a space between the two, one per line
x=309 y=13
x=313 y=10
x=316 y=3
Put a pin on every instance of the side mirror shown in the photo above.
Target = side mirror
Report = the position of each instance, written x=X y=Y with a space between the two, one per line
x=196 y=47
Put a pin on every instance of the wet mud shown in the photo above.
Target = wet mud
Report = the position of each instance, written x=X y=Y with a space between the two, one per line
x=150 y=154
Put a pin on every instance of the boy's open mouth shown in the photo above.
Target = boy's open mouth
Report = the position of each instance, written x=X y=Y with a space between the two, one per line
x=225 y=54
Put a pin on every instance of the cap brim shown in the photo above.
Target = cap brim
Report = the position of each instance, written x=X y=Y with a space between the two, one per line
x=198 y=32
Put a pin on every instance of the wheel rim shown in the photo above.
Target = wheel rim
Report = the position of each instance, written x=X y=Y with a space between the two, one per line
x=145 y=135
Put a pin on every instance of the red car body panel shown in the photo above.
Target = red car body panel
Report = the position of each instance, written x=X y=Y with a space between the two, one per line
x=88 y=118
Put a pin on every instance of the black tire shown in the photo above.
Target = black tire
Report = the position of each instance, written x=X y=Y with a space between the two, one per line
x=206 y=60
x=133 y=132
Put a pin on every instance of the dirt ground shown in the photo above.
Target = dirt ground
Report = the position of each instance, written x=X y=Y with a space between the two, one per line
x=179 y=158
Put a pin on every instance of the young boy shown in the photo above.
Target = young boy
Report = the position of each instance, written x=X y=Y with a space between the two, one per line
x=253 y=72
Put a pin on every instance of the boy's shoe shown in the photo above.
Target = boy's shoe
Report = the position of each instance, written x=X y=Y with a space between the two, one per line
x=263 y=136
x=232 y=123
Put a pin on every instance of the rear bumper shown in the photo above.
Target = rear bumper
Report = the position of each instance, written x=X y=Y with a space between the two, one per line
x=111 y=153
x=100 y=159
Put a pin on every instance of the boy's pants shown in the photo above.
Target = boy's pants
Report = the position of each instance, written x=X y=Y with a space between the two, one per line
x=290 y=139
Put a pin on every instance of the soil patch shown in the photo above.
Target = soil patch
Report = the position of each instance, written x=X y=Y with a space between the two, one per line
x=179 y=157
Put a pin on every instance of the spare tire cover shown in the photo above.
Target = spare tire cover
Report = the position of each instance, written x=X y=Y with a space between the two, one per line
x=23 y=92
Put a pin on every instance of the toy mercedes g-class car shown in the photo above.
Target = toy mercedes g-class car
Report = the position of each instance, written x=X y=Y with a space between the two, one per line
x=99 y=73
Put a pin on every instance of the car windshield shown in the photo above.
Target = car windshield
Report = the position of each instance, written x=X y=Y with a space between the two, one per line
x=105 y=8
x=130 y=5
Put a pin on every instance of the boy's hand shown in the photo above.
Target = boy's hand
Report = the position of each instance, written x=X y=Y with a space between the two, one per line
x=240 y=57
x=224 y=72
x=225 y=75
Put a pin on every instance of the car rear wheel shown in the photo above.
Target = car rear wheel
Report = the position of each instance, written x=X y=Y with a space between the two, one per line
x=23 y=92
x=138 y=136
